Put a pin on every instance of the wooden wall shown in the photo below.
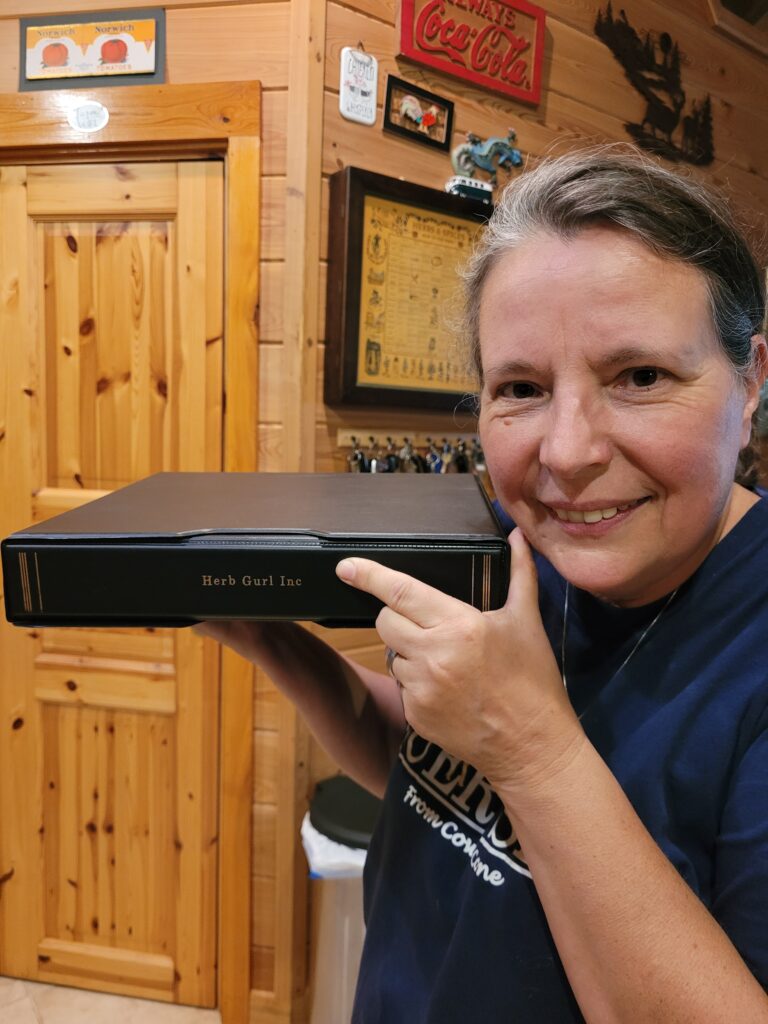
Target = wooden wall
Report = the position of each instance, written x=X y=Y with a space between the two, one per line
x=293 y=49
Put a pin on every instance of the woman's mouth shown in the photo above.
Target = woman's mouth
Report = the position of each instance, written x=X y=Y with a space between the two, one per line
x=592 y=516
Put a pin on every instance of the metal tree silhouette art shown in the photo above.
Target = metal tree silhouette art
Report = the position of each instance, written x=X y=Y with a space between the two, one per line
x=652 y=66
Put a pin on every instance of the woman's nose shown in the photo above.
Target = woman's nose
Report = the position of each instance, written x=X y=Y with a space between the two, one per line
x=575 y=439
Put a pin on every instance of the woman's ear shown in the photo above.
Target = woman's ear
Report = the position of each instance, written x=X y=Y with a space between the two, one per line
x=759 y=369
x=755 y=382
x=760 y=356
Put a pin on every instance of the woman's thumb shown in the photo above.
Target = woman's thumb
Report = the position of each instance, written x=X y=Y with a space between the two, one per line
x=524 y=580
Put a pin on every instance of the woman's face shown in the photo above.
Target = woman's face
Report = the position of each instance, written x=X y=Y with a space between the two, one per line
x=610 y=418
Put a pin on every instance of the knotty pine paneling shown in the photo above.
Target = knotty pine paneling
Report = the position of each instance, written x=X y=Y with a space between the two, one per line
x=265 y=772
x=274 y=111
x=272 y=218
x=233 y=43
x=579 y=71
x=264 y=835
x=262 y=968
x=270 y=304
x=266 y=712
x=9 y=48
x=271 y=383
x=264 y=904
x=270 y=436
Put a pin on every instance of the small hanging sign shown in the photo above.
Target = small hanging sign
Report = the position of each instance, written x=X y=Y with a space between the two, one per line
x=358 y=83
x=90 y=116
x=497 y=44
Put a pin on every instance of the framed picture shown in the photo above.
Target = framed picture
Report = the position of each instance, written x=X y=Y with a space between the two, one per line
x=89 y=50
x=394 y=249
x=417 y=114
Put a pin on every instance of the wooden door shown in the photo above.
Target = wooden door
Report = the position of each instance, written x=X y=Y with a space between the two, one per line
x=111 y=354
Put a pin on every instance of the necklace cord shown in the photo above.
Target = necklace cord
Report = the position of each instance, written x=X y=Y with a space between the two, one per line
x=624 y=663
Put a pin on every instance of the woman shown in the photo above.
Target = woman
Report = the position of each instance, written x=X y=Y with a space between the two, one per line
x=596 y=850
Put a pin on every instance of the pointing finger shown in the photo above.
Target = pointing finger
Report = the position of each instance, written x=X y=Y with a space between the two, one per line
x=411 y=598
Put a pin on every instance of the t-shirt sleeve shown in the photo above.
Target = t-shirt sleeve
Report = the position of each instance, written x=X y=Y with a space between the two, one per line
x=740 y=901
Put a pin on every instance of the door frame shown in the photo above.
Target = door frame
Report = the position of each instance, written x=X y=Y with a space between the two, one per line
x=171 y=122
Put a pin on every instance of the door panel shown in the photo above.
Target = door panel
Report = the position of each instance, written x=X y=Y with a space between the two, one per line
x=111 y=283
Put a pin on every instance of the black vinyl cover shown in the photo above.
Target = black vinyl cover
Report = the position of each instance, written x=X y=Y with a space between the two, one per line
x=177 y=548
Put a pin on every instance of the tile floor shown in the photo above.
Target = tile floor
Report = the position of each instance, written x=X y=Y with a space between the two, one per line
x=26 y=1002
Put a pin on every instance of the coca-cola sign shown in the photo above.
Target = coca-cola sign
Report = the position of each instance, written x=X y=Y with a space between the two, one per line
x=498 y=44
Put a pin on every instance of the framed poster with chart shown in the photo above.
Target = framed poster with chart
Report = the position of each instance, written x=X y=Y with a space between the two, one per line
x=393 y=251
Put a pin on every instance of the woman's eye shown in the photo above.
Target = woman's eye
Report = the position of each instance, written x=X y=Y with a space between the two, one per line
x=519 y=389
x=644 y=376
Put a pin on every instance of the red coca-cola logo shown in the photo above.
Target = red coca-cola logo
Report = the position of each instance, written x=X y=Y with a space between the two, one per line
x=494 y=49
x=497 y=44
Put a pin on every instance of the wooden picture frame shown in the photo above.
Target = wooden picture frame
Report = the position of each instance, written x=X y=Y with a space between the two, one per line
x=393 y=252
x=752 y=36
x=417 y=115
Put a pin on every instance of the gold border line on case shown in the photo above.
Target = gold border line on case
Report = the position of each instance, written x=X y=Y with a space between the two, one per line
x=486 y=582
x=39 y=587
x=24 y=576
x=472 y=593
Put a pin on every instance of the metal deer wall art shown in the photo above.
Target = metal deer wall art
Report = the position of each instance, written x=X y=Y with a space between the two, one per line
x=652 y=65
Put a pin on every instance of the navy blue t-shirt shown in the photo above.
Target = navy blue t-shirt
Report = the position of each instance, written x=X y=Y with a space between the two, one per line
x=455 y=930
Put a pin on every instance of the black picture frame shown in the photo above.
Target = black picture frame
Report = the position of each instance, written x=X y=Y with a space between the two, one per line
x=408 y=127
x=156 y=77
x=349 y=189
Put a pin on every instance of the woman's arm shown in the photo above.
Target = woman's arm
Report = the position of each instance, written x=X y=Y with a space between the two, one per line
x=354 y=713
x=636 y=943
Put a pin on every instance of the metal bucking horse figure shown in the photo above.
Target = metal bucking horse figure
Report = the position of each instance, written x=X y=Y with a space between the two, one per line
x=487 y=154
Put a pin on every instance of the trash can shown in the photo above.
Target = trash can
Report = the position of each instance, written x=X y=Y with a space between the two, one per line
x=335 y=833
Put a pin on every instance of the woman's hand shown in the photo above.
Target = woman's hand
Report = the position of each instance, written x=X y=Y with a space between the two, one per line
x=485 y=686
x=249 y=639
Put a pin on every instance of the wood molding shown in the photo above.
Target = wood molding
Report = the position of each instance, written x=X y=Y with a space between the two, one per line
x=302 y=230
x=145 y=121
x=737 y=28
x=171 y=122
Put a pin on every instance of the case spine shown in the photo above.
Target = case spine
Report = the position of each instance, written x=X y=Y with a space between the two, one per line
x=173 y=584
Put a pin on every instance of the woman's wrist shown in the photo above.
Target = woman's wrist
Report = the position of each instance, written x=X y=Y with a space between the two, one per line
x=543 y=763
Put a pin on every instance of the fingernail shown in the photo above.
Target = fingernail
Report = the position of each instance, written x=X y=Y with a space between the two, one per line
x=345 y=570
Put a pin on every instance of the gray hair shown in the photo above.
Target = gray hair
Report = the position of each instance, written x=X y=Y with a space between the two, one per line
x=675 y=217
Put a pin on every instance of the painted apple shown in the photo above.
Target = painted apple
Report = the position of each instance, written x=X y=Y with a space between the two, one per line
x=114 y=51
x=55 y=55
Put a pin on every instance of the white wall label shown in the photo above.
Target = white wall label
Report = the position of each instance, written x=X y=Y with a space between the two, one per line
x=357 y=86
x=88 y=117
